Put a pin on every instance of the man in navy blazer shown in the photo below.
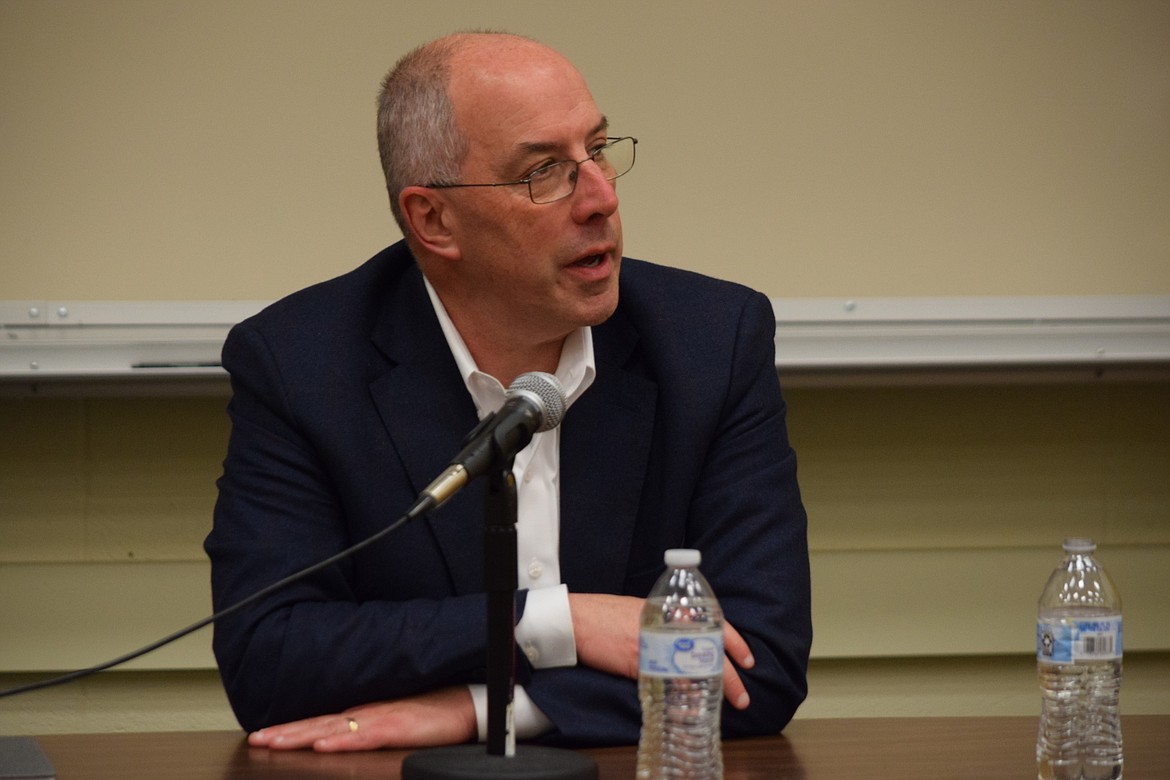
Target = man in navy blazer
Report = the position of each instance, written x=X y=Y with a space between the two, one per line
x=349 y=397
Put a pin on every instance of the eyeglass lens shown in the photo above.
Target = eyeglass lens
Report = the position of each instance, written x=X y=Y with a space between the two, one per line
x=558 y=180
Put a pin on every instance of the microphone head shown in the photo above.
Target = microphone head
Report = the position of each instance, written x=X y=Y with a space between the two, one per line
x=546 y=390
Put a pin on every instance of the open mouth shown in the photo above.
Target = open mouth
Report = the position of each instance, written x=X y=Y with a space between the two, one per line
x=592 y=261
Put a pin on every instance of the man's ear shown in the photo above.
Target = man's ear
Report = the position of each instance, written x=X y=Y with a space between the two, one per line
x=425 y=212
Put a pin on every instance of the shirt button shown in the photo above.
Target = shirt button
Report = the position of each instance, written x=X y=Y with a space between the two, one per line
x=535 y=569
x=532 y=653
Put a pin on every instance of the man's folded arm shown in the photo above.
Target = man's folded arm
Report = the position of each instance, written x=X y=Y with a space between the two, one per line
x=315 y=646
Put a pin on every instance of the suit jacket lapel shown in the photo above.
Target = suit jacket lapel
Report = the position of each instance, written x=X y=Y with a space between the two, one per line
x=605 y=442
x=427 y=413
x=605 y=446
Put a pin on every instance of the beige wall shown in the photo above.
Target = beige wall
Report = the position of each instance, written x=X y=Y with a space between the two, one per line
x=214 y=150
x=168 y=149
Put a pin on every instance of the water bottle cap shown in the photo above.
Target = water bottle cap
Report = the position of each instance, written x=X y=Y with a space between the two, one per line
x=1079 y=544
x=682 y=558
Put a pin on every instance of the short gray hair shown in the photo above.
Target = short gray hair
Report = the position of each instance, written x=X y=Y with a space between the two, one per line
x=418 y=141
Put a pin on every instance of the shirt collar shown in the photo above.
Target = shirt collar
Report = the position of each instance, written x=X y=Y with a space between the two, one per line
x=576 y=370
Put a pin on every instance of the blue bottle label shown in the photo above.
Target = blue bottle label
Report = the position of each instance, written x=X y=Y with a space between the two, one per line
x=1071 y=640
x=675 y=654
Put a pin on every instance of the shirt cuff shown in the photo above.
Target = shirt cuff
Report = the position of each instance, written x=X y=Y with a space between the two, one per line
x=545 y=632
x=528 y=719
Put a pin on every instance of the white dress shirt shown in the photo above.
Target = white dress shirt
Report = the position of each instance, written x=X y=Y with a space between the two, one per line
x=545 y=632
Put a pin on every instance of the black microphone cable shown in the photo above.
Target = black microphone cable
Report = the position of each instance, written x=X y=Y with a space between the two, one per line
x=420 y=507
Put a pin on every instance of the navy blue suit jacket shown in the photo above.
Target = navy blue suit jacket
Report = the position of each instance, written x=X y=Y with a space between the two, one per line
x=347 y=402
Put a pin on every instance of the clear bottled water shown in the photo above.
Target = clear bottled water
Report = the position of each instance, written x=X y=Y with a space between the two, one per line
x=1078 y=656
x=680 y=675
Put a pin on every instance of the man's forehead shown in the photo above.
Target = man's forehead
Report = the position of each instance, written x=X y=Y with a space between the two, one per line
x=526 y=106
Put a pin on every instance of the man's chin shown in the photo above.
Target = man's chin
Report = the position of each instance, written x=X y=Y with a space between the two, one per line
x=603 y=308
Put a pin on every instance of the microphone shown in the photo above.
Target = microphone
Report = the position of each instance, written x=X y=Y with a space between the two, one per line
x=535 y=402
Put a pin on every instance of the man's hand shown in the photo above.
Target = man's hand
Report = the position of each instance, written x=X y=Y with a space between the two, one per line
x=443 y=717
x=606 y=632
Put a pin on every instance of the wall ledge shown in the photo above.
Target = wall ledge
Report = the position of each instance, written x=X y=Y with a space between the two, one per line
x=172 y=347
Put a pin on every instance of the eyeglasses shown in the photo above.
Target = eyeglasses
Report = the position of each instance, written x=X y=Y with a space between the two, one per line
x=558 y=180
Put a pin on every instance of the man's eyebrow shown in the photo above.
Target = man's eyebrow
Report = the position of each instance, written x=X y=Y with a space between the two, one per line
x=541 y=147
x=602 y=126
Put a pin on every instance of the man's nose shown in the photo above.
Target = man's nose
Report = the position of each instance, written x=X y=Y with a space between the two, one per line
x=595 y=192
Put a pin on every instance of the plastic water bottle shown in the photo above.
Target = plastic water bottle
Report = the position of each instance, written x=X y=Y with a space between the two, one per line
x=1078 y=655
x=680 y=675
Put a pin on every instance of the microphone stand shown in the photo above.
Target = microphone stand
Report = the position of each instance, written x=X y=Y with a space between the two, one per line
x=500 y=758
x=501 y=581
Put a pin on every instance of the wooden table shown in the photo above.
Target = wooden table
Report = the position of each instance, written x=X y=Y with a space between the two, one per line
x=814 y=749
